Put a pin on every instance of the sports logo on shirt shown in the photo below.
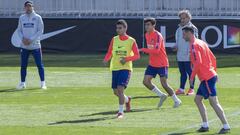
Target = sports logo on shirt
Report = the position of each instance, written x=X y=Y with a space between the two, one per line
x=150 y=46
x=121 y=51
x=152 y=41
x=28 y=25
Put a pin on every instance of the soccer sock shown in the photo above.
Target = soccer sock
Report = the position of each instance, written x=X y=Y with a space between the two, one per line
x=157 y=91
x=226 y=126
x=126 y=99
x=205 y=124
x=175 y=98
x=181 y=89
x=22 y=83
x=121 y=109
x=43 y=83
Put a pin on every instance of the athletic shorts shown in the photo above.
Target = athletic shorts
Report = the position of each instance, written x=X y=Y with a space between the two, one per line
x=154 y=71
x=120 y=78
x=208 y=88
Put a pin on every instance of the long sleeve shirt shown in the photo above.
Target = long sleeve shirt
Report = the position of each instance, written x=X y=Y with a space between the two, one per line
x=30 y=26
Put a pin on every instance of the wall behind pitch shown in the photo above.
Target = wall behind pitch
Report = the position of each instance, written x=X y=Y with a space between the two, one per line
x=89 y=36
x=94 y=35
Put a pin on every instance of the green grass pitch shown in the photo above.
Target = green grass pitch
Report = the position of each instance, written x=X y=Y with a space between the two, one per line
x=79 y=100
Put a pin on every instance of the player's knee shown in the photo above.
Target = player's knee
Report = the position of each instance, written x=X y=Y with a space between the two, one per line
x=146 y=82
x=120 y=93
x=213 y=103
x=115 y=92
x=164 y=84
x=197 y=100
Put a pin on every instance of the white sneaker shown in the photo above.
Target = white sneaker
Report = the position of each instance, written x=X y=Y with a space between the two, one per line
x=177 y=104
x=162 y=99
x=44 y=87
x=21 y=86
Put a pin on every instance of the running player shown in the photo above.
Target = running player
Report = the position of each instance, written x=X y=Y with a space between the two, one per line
x=204 y=66
x=30 y=28
x=122 y=51
x=158 y=63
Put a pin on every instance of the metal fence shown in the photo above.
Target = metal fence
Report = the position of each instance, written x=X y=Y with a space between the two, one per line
x=123 y=8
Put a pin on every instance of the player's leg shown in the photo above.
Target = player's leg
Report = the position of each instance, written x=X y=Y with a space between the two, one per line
x=189 y=72
x=124 y=80
x=170 y=91
x=151 y=73
x=147 y=82
x=202 y=110
x=37 y=55
x=115 y=76
x=127 y=100
x=121 y=81
x=163 y=73
x=183 y=78
x=211 y=86
x=121 y=99
x=220 y=113
x=115 y=92
x=24 y=63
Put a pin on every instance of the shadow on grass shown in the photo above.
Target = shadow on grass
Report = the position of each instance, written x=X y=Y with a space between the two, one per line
x=190 y=133
x=184 y=133
x=82 y=121
x=16 y=90
x=115 y=112
x=96 y=119
x=144 y=97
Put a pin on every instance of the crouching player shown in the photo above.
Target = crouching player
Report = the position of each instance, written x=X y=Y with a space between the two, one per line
x=122 y=51
x=204 y=66
x=158 y=63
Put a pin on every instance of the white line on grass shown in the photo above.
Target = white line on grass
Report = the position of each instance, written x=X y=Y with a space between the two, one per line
x=197 y=125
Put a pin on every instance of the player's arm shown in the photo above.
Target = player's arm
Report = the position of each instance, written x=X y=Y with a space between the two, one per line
x=40 y=28
x=213 y=60
x=156 y=50
x=136 y=55
x=175 y=47
x=20 y=33
x=19 y=28
x=108 y=56
x=196 y=61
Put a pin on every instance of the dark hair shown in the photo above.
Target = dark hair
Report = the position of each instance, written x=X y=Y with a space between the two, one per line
x=188 y=28
x=122 y=22
x=151 y=20
x=28 y=3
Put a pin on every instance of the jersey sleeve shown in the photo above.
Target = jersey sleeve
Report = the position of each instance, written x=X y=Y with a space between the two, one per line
x=213 y=60
x=196 y=61
x=19 y=29
x=40 y=28
x=136 y=53
x=109 y=52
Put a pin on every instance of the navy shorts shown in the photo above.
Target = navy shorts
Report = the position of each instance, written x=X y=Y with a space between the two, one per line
x=208 y=88
x=154 y=71
x=120 y=78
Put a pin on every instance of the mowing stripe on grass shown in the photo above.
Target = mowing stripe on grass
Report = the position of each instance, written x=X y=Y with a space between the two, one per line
x=197 y=125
